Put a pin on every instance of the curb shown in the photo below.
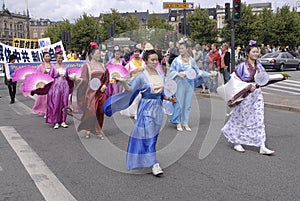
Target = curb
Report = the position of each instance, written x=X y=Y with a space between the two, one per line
x=267 y=104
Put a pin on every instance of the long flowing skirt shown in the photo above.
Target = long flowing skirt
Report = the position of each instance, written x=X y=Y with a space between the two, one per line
x=141 y=151
x=246 y=124
x=184 y=95
x=57 y=100
x=40 y=105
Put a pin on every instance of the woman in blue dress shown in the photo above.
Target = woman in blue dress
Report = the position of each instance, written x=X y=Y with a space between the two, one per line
x=141 y=150
x=180 y=70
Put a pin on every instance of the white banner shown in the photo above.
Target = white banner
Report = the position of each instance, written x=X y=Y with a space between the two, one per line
x=44 y=42
x=29 y=55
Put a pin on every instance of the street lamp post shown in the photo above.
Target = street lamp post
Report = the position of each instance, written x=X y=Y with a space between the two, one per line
x=184 y=20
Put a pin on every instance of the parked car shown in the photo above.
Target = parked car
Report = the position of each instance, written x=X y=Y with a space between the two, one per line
x=279 y=61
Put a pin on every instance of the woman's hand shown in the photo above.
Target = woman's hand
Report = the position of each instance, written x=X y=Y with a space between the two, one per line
x=253 y=88
x=171 y=99
x=182 y=75
x=103 y=88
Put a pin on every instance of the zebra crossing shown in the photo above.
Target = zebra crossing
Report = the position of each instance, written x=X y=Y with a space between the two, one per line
x=286 y=87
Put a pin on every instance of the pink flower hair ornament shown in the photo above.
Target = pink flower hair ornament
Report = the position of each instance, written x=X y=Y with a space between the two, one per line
x=93 y=45
x=58 y=50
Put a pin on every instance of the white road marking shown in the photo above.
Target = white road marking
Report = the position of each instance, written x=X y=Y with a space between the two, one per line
x=47 y=183
x=285 y=91
x=1 y=169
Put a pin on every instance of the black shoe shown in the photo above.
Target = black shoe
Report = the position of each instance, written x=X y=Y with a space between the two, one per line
x=12 y=101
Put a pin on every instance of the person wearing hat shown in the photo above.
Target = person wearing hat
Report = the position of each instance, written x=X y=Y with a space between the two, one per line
x=9 y=72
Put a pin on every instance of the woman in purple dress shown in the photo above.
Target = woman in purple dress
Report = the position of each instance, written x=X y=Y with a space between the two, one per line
x=40 y=105
x=58 y=94
x=246 y=124
x=113 y=87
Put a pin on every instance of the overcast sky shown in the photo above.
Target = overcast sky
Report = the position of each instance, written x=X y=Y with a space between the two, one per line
x=57 y=10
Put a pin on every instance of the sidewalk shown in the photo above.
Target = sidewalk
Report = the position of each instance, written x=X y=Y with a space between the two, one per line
x=289 y=103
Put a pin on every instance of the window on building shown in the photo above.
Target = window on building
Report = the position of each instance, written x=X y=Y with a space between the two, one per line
x=35 y=35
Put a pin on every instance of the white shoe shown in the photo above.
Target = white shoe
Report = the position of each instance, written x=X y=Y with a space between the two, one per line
x=64 y=125
x=266 y=151
x=156 y=170
x=56 y=126
x=187 y=128
x=239 y=148
x=179 y=127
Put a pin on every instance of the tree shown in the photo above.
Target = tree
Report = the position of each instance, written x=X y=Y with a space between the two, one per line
x=55 y=32
x=157 y=23
x=286 y=28
x=85 y=30
x=118 y=23
x=202 y=27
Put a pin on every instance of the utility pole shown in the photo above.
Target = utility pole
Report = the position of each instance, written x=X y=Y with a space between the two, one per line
x=232 y=53
x=184 y=20
x=236 y=17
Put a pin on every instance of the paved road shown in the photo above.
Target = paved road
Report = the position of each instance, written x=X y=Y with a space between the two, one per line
x=37 y=160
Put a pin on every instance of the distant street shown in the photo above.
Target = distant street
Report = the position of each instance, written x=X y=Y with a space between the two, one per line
x=63 y=164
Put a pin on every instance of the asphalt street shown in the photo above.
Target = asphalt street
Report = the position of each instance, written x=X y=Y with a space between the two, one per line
x=198 y=165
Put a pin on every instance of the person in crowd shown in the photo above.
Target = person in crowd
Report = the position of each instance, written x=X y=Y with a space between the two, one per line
x=70 y=55
x=117 y=59
x=214 y=65
x=9 y=72
x=134 y=68
x=173 y=52
x=141 y=150
x=113 y=87
x=40 y=105
x=91 y=93
x=83 y=54
x=246 y=124
x=225 y=62
x=185 y=87
x=198 y=56
x=75 y=57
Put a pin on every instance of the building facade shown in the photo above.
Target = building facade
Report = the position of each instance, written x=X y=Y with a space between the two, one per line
x=38 y=27
x=13 y=25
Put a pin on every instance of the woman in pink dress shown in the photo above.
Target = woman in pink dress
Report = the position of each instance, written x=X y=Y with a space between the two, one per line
x=40 y=105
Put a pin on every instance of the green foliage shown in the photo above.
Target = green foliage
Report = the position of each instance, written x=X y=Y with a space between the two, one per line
x=278 y=28
x=55 y=32
x=122 y=24
x=157 y=23
x=84 y=31
x=203 y=29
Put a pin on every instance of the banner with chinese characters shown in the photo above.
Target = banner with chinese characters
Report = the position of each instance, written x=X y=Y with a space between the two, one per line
x=29 y=55
x=44 y=42
x=25 y=43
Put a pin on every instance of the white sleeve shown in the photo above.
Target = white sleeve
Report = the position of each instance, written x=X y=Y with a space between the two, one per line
x=7 y=71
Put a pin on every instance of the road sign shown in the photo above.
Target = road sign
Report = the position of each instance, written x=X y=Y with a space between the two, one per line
x=170 y=5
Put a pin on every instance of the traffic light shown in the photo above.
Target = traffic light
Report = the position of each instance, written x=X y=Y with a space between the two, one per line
x=237 y=8
x=227 y=12
x=180 y=27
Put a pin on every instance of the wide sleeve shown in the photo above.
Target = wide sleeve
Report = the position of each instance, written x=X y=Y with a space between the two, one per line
x=106 y=78
x=41 y=68
x=121 y=101
x=82 y=87
x=71 y=82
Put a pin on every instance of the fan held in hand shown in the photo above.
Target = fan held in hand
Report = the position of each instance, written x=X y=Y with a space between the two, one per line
x=35 y=81
x=22 y=72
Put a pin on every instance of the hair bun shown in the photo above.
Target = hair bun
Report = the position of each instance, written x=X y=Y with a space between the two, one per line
x=252 y=42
